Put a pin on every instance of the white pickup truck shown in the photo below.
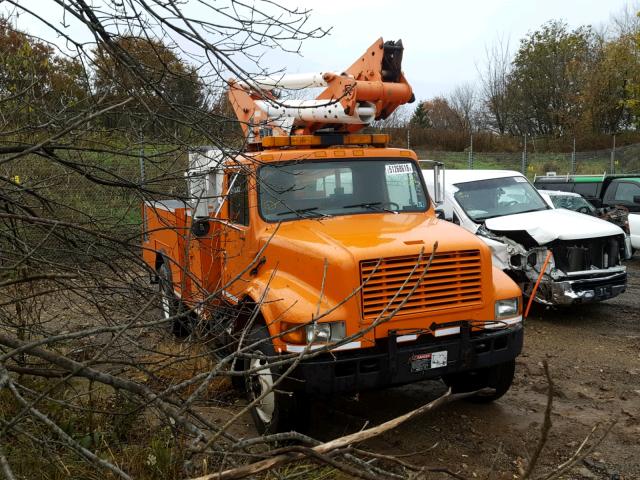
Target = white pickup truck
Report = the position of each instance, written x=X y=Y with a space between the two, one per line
x=508 y=213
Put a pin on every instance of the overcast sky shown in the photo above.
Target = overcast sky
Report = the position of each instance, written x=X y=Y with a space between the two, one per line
x=444 y=40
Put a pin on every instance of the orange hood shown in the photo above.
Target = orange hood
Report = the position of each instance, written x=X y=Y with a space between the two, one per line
x=299 y=249
x=375 y=235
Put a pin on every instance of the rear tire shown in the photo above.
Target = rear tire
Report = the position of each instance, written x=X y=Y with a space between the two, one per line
x=499 y=377
x=170 y=305
x=279 y=411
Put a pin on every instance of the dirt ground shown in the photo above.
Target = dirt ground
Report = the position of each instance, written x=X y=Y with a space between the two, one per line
x=594 y=357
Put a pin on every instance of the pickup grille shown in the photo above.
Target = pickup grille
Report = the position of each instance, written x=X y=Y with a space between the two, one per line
x=454 y=280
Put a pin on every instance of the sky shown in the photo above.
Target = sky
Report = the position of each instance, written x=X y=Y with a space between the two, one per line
x=445 y=41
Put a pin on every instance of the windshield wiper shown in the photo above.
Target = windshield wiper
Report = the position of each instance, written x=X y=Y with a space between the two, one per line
x=301 y=211
x=371 y=206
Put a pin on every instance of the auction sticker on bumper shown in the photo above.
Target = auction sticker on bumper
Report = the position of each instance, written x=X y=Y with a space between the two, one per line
x=425 y=361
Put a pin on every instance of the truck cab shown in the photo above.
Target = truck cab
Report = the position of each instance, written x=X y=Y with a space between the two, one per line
x=319 y=267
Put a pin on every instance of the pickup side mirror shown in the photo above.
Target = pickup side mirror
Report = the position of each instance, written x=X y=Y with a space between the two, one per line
x=636 y=199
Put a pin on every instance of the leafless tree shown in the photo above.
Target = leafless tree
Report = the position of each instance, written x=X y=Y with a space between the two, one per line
x=625 y=22
x=494 y=76
x=398 y=119
x=463 y=100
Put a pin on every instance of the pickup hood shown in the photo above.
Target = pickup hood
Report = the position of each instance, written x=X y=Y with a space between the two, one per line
x=556 y=224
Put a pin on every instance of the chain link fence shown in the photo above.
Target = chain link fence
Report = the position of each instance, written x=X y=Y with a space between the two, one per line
x=93 y=189
x=619 y=160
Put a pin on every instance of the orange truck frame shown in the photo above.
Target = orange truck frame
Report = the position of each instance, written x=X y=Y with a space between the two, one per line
x=316 y=258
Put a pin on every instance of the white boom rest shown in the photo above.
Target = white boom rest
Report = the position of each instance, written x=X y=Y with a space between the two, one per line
x=321 y=111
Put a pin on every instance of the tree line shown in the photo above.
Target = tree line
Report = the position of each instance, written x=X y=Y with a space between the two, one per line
x=42 y=87
x=559 y=83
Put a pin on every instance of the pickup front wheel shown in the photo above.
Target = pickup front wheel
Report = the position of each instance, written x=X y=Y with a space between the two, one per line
x=273 y=410
x=499 y=377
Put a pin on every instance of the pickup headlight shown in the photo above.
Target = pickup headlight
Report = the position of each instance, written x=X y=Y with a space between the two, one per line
x=506 y=308
x=325 y=332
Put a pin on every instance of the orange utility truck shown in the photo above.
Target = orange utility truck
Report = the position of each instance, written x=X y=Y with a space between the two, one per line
x=317 y=253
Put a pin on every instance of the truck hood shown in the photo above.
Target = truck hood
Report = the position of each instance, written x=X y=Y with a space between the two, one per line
x=301 y=251
x=556 y=224
x=374 y=235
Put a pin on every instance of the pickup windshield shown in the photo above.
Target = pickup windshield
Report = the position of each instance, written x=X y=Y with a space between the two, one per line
x=345 y=187
x=496 y=197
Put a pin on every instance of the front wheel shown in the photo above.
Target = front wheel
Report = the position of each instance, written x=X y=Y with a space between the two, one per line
x=274 y=410
x=499 y=377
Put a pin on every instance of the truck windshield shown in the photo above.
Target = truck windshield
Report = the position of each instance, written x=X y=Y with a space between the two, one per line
x=344 y=187
x=496 y=197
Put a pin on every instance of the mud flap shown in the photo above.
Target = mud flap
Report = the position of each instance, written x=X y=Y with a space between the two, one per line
x=466 y=353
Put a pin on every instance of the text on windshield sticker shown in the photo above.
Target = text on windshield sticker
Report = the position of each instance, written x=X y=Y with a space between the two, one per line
x=398 y=168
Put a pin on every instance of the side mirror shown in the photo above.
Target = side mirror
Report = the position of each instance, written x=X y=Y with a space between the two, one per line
x=636 y=199
x=438 y=183
x=200 y=227
x=440 y=213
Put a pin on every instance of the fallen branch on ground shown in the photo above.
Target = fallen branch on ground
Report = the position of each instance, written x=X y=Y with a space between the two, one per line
x=342 y=442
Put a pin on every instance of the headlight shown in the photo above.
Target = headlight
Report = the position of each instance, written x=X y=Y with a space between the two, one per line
x=325 y=332
x=506 y=308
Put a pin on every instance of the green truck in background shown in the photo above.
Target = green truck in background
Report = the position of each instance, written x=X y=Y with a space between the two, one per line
x=602 y=191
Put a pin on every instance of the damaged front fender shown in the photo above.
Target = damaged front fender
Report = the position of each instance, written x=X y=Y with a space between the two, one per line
x=511 y=255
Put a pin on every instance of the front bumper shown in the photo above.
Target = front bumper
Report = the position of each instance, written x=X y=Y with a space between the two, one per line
x=582 y=290
x=389 y=362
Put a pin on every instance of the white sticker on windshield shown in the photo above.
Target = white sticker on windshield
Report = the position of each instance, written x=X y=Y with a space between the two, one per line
x=398 y=168
x=520 y=179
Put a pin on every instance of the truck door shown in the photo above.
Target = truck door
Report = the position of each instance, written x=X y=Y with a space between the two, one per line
x=205 y=259
x=235 y=232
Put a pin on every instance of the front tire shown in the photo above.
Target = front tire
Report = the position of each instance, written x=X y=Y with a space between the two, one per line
x=499 y=377
x=278 y=411
x=170 y=305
